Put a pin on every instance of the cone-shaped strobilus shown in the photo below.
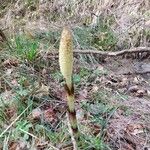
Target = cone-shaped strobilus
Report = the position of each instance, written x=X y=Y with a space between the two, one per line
x=66 y=67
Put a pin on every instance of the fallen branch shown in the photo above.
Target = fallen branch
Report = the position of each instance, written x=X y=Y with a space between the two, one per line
x=111 y=54
x=116 y=53
x=136 y=73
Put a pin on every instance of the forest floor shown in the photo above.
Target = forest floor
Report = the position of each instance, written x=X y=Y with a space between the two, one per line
x=112 y=103
x=112 y=94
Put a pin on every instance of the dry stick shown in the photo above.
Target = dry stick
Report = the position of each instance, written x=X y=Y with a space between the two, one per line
x=111 y=54
x=117 y=53
x=136 y=72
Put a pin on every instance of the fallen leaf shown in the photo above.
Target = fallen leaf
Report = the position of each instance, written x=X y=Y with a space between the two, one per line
x=134 y=129
x=10 y=62
x=10 y=112
x=42 y=90
x=41 y=144
x=13 y=146
x=125 y=146
x=49 y=115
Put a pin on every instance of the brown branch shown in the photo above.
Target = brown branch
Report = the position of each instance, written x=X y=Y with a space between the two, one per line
x=116 y=53
x=136 y=73
x=111 y=54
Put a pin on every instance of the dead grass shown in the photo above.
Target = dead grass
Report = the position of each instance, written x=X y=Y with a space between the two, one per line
x=129 y=19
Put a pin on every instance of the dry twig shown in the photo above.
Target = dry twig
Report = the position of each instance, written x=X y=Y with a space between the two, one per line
x=112 y=54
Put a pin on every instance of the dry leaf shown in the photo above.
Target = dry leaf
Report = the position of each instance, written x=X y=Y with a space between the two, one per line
x=10 y=62
x=49 y=115
x=135 y=129
x=43 y=90
x=13 y=146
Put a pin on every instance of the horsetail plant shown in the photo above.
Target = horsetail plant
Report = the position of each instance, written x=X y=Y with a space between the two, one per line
x=66 y=68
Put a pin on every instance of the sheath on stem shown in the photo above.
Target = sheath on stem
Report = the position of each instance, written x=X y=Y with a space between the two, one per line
x=66 y=68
